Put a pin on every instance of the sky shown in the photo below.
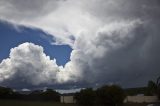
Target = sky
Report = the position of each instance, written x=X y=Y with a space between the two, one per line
x=71 y=44
x=10 y=38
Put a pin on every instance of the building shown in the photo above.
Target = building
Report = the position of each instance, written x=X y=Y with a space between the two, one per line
x=67 y=98
x=141 y=99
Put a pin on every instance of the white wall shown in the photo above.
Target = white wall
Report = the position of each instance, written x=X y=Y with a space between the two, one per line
x=141 y=99
x=67 y=99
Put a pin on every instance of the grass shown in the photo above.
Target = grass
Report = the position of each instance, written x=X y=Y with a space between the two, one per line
x=39 y=103
x=135 y=104
x=30 y=103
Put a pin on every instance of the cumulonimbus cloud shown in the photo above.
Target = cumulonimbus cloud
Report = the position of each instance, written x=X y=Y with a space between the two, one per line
x=28 y=64
x=113 y=41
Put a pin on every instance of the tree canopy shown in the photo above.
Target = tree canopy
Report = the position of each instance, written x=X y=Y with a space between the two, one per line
x=107 y=95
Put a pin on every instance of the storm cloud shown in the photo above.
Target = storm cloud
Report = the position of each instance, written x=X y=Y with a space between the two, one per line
x=113 y=41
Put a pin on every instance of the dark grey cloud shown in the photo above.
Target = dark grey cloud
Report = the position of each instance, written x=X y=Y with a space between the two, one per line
x=129 y=61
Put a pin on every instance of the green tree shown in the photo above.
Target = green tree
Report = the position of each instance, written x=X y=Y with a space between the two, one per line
x=85 y=97
x=110 y=96
x=105 y=96
x=151 y=88
x=5 y=92
x=51 y=95
x=158 y=87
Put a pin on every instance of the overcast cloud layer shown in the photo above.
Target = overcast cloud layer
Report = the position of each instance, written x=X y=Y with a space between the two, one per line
x=113 y=41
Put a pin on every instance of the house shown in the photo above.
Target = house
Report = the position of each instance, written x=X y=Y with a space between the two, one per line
x=67 y=98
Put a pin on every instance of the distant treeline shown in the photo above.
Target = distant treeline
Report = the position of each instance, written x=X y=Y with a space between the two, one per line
x=135 y=91
x=114 y=95
x=153 y=88
x=37 y=95
x=105 y=94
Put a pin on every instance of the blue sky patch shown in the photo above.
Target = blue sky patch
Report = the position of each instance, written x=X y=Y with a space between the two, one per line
x=10 y=38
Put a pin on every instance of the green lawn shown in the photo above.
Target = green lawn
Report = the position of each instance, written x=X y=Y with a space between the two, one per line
x=30 y=103
x=135 y=104
x=33 y=103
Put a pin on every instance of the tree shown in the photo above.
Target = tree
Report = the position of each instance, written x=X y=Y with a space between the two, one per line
x=35 y=95
x=5 y=92
x=105 y=96
x=154 y=88
x=51 y=95
x=151 y=88
x=110 y=95
x=85 y=97
x=158 y=87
